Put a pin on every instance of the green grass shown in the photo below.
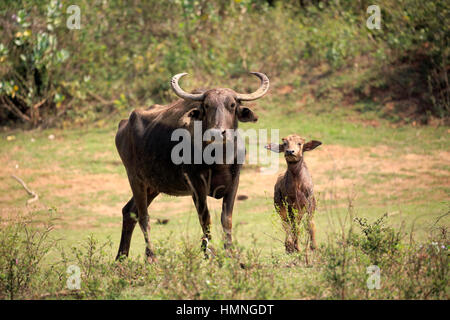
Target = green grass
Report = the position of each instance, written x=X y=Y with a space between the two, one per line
x=83 y=160
x=331 y=80
x=337 y=128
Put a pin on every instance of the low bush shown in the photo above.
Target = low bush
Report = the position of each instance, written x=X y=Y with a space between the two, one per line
x=123 y=56
x=340 y=268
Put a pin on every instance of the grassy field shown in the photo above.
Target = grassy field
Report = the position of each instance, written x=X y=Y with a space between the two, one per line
x=378 y=99
x=363 y=168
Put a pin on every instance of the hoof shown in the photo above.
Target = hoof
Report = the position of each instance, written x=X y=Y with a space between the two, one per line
x=210 y=252
x=121 y=257
x=228 y=246
x=151 y=259
x=291 y=247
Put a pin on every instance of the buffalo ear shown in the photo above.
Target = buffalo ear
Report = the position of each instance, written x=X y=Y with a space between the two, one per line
x=311 y=145
x=192 y=115
x=275 y=147
x=244 y=114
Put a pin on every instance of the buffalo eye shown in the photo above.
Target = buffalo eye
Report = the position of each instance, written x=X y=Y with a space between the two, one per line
x=195 y=114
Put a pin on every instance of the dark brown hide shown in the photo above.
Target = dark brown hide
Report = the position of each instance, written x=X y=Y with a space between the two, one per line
x=144 y=145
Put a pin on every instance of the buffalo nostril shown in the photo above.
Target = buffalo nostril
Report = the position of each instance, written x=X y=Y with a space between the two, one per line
x=218 y=134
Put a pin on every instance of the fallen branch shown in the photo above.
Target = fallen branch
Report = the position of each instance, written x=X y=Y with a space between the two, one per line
x=62 y=293
x=99 y=98
x=39 y=104
x=13 y=109
x=30 y=192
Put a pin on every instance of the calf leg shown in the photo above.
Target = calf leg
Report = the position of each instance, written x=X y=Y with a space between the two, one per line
x=311 y=224
x=294 y=225
x=288 y=243
x=312 y=232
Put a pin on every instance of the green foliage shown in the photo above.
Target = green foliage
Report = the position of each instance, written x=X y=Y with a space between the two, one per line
x=408 y=270
x=337 y=269
x=415 y=33
x=32 y=65
x=377 y=240
x=134 y=50
x=23 y=246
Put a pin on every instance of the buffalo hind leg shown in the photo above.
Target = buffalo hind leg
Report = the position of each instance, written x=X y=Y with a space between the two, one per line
x=128 y=224
x=145 y=198
x=136 y=211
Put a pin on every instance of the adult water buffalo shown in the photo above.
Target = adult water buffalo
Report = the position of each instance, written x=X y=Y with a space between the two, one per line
x=145 y=145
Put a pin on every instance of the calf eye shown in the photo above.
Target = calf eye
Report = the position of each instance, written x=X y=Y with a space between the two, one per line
x=233 y=105
x=300 y=144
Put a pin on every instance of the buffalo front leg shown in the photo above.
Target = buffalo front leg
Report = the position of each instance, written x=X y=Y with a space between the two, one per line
x=227 y=212
x=204 y=218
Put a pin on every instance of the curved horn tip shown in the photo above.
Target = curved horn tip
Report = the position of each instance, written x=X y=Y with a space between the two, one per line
x=258 y=73
x=261 y=91
x=179 y=75
x=180 y=92
x=261 y=76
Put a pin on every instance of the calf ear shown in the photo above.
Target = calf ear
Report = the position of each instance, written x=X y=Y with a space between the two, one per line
x=311 y=145
x=244 y=114
x=192 y=115
x=275 y=147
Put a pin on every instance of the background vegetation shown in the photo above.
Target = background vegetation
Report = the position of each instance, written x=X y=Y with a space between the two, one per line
x=377 y=99
x=125 y=53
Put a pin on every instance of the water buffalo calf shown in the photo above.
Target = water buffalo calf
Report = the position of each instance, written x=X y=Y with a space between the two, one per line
x=293 y=192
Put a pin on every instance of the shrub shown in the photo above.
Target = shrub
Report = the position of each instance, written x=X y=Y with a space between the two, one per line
x=23 y=245
x=31 y=70
x=377 y=239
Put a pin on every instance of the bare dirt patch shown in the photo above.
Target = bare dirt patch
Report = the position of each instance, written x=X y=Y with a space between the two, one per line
x=339 y=169
x=336 y=171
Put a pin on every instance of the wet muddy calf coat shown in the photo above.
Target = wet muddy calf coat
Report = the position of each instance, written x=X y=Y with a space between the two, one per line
x=293 y=191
